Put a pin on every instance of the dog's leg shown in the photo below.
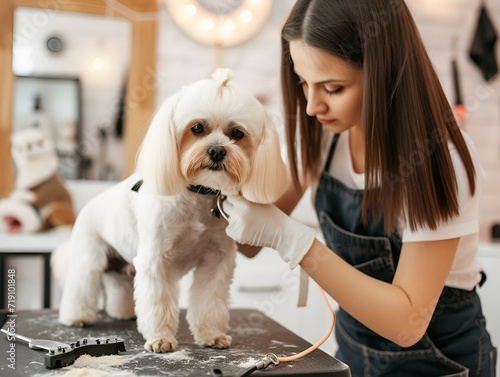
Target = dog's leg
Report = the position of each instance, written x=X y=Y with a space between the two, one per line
x=83 y=282
x=208 y=313
x=156 y=301
x=119 y=291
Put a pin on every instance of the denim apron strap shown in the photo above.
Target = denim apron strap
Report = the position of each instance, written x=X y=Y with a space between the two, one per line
x=330 y=153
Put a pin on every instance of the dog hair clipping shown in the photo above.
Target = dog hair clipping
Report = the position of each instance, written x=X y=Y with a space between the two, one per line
x=222 y=75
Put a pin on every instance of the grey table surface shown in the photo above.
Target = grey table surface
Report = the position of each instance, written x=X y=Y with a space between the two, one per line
x=253 y=333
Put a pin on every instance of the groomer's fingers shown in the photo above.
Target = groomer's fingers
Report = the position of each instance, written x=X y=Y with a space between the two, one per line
x=231 y=204
x=235 y=199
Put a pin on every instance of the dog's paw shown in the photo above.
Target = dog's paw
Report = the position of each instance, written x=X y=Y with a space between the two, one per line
x=80 y=320
x=167 y=344
x=76 y=322
x=220 y=342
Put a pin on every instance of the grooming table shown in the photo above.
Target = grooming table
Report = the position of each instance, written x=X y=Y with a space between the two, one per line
x=254 y=335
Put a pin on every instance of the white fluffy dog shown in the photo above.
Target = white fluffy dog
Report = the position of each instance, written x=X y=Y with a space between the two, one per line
x=213 y=135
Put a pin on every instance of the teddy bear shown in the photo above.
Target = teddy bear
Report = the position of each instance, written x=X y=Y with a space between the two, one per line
x=39 y=200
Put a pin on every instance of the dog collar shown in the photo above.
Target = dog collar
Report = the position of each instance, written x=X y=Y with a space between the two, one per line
x=199 y=189
x=137 y=185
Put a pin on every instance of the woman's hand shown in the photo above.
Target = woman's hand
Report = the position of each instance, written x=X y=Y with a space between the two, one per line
x=265 y=225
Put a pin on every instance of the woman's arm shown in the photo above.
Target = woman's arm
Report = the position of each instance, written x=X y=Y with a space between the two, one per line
x=286 y=203
x=400 y=311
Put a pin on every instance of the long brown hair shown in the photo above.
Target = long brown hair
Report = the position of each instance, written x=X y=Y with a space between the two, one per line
x=406 y=117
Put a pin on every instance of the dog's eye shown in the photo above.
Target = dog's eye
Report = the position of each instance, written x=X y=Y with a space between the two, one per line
x=237 y=134
x=197 y=129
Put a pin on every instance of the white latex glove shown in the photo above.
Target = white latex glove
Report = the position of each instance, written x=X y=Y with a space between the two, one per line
x=265 y=225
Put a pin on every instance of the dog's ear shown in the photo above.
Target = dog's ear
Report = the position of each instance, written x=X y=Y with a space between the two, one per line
x=268 y=179
x=158 y=159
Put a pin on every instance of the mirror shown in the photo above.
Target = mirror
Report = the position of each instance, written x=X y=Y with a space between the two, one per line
x=140 y=93
x=71 y=75
x=52 y=104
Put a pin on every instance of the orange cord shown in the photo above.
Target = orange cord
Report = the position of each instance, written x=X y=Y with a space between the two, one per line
x=323 y=340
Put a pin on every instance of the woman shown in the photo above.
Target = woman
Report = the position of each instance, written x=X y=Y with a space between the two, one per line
x=396 y=192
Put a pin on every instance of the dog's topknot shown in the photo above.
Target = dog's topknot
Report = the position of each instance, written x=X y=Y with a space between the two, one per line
x=222 y=76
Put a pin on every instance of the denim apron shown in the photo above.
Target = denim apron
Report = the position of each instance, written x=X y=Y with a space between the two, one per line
x=456 y=342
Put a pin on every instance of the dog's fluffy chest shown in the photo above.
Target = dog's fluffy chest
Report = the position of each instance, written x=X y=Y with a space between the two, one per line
x=193 y=219
x=185 y=227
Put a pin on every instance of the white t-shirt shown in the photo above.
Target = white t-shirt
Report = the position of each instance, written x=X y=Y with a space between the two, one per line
x=465 y=271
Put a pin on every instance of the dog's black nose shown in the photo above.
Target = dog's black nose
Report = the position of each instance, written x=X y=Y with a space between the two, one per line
x=216 y=153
